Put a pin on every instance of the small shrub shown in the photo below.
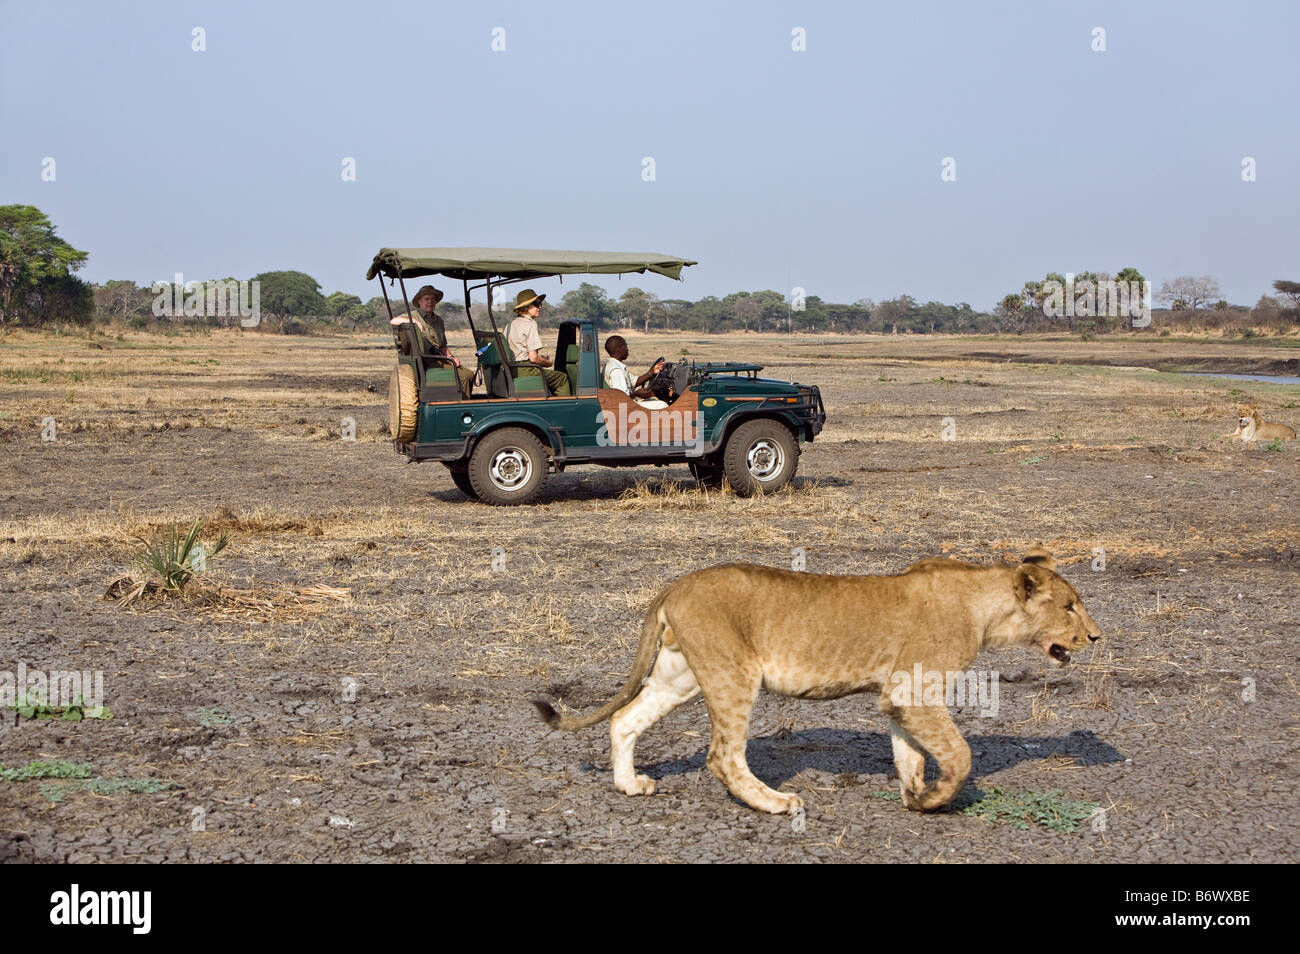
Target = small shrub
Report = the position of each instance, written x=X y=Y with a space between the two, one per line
x=171 y=559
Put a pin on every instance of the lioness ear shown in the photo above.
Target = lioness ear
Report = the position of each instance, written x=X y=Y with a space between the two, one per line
x=1030 y=578
x=1040 y=557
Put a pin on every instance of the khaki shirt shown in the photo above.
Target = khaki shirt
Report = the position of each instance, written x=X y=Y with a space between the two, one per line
x=522 y=337
x=430 y=330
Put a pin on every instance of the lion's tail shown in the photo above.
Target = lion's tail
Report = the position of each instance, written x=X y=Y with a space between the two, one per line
x=652 y=631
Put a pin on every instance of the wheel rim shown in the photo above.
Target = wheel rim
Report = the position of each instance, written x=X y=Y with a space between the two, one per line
x=511 y=469
x=765 y=459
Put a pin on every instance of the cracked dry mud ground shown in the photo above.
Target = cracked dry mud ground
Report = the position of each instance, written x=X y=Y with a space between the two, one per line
x=439 y=756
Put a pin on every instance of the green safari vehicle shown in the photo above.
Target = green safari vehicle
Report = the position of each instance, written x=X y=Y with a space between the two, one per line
x=722 y=420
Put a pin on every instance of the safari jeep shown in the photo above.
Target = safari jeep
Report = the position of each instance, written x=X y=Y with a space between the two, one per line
x=723 y=421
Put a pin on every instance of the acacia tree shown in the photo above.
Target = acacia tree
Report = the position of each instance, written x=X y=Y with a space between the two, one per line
x=637 y=305
x=748 y=311
x=1189 y=291
x=894 y=312
x=294 y=294
x=338 y=303
x=1290 y=289
x=36 y=268
x=589 y=302
x=123 y=299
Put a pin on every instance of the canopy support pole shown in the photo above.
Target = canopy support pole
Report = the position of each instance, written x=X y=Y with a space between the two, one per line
x=465 y=283
x=387 y=304
x=415 y=352
x=510 y=378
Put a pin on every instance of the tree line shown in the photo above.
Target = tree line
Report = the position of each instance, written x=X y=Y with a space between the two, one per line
x=38 y=286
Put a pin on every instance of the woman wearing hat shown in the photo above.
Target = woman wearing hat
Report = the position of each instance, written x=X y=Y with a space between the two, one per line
x=431 y=333
x=525 y=343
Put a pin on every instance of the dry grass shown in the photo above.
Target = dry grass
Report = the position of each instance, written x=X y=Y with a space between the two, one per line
x=303 y=507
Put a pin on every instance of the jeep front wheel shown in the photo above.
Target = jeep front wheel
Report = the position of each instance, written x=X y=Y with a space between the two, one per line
x=760 y=457
x=508 y=467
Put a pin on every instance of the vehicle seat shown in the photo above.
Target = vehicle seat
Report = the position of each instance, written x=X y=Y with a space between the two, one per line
x=571 y=358
x=496 y=370
x=406 y=339
x=440 y=383
x=490 y=348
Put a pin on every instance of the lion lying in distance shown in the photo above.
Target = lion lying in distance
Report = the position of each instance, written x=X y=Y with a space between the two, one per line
x=1252 y=427
x=729 y=630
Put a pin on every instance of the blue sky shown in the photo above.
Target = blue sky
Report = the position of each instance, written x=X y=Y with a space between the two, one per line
x=774 y=168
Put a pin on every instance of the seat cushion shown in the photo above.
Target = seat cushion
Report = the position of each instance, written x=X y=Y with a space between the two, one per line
x=440 y=375
x=530 y=384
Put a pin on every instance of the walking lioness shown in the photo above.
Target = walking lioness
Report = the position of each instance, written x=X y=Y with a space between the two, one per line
x=731 y=629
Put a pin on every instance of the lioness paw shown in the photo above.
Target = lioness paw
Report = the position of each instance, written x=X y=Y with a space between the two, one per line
x=641 y=785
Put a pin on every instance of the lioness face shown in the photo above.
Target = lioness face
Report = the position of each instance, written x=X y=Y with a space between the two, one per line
x=1058 y=621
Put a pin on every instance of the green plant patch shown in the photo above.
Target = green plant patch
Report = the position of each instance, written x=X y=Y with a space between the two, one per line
x=1019 y=809
x=211 y=718
x=31 y=707
x=1034 y=460
x=55 y=769
x=55 y=792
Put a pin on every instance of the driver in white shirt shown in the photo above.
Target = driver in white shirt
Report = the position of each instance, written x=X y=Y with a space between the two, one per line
x=618 y=377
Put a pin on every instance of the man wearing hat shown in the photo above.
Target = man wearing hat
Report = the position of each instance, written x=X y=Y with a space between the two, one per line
x=525 y=343
x=431 y=333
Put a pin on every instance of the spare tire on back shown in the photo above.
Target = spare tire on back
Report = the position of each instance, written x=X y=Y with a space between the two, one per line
x=403 y=403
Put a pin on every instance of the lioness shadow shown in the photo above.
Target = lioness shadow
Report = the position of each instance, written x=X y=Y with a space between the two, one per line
x=776 y=760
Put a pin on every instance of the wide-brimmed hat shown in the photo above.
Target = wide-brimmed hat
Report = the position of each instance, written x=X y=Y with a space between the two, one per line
x=427 y=290
x=528 y=297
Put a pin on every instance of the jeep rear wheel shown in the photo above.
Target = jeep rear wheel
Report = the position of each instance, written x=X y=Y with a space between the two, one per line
x=508 y=467
x=706 y=474
x=460 y=477
x=760 y=457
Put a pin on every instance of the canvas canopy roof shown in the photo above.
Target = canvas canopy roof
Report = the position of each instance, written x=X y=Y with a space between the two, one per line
x=524 y=263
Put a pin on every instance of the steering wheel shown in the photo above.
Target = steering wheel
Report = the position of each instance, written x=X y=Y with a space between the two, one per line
x=669 y=382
